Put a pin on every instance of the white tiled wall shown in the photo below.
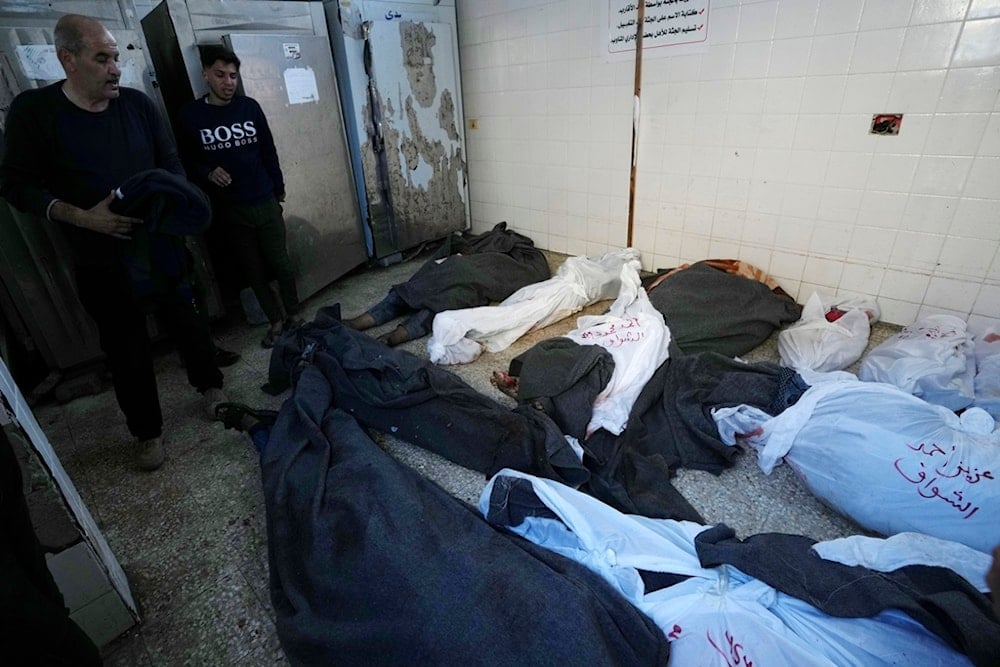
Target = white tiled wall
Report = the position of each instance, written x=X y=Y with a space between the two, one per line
x=552 y=150
x=758 y=146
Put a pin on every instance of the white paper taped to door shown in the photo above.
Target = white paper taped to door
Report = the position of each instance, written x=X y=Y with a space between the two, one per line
x=300 y=84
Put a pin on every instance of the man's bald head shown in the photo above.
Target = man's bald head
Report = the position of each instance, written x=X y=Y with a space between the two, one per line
x=73 y=31
x=88 y=53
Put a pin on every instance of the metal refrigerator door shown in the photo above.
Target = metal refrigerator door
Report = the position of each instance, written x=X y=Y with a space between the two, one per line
x=292 y=78
x=417 y=78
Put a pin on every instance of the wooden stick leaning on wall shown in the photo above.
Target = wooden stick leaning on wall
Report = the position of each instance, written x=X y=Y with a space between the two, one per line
x=636 y=90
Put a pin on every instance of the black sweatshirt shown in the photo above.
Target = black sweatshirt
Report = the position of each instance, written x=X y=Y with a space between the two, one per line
x=237 y=138
x=56 y=150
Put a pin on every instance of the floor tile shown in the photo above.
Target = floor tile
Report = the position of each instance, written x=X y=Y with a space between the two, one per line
x=223 y=625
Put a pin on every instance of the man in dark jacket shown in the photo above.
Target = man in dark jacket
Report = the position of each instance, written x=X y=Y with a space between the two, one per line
x=67 y=147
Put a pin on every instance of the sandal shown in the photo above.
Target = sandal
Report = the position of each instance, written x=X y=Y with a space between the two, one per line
x=231 y=415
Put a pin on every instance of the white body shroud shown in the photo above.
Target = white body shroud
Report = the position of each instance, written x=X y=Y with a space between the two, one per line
x=933 y=358
x=814 y=343
x=459 y=336
x=721 y=616
x=634 y=333
x=889 y=460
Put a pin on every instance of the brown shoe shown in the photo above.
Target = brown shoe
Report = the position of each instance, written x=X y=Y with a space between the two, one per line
x=149 y=454
x=397 y=336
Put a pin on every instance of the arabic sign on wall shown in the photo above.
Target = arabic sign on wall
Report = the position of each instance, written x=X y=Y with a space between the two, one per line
x=667 y=23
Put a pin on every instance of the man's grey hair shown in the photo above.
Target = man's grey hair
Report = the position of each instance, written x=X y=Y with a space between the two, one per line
x=69 y=32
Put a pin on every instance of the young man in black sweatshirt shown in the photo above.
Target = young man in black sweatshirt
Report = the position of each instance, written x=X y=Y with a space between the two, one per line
x=228 y=148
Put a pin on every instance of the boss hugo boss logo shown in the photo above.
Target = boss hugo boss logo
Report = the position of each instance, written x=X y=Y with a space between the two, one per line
x=228 y=136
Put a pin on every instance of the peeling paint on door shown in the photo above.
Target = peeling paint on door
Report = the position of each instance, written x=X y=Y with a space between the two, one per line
x=423 y=147
x=401 y=70
x=418 y=46
x=427 y=179
x=446 y=114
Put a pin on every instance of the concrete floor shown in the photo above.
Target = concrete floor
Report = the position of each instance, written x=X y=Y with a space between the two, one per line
x=191 y=536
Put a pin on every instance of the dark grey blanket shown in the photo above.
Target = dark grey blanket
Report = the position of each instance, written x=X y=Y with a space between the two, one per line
x=478 y=270
x=396 y=392
x=171 y=207
x=937 y=598
x=671 y=426
x=372 y=564
x=709 y=310
x=563 y=378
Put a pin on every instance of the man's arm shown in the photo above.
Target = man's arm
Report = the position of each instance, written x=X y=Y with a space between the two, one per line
x=192 y=154
x=97 y=219
x=22 y=175
x=23 y=180
x=269 y=154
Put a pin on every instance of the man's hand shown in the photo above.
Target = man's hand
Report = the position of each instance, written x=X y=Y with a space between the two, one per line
x=220 y=177
x=97 y=219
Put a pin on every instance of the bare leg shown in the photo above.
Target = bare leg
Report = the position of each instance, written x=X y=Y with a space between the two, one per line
x=390 y=307
x=361 y=322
